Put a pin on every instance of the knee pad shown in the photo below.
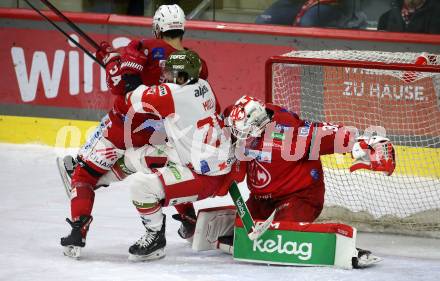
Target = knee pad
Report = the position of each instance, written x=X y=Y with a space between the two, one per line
x=145 y=189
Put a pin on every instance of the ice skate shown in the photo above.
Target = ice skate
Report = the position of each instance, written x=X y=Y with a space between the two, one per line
x=77 y=238
x=364 y=259
x=66 y=166
x=150 y=246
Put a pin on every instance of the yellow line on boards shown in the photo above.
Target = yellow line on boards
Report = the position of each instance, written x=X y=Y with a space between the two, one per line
x=47 y=131
x=416 y=161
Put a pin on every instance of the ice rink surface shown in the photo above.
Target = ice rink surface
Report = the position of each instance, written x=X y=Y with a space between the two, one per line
x=33 y=208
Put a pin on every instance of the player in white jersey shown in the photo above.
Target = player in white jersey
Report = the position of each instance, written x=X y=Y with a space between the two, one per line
x=199 y=149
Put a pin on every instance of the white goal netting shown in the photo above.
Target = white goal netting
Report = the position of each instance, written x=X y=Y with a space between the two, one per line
x=366 y=89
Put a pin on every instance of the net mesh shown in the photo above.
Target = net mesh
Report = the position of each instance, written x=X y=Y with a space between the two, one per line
x=405 y=103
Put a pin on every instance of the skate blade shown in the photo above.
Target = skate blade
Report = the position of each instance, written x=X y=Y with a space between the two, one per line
x=64 y=177
x=72 y=252
x=158 y=254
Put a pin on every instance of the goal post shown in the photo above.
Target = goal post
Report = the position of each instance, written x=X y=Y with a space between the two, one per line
x=397 y=94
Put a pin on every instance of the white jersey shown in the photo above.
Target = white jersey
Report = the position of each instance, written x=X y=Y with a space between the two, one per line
x=192 y=123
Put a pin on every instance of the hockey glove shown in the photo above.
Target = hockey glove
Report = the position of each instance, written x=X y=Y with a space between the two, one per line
x=106 y=53
x=132 y=65
x=375 y=153
x=133 y=59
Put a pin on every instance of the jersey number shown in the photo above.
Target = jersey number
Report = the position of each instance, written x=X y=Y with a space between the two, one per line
x=213 y=122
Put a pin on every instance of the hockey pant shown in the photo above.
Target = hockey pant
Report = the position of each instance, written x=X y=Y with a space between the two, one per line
x=103 y=148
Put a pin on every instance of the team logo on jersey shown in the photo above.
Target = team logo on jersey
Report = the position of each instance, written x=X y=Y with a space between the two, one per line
x=259 y=176
x=158 y=53
x=314 y=173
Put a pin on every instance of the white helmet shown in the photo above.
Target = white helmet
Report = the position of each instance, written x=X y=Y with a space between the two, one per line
x=248 y=117
x=168 y=17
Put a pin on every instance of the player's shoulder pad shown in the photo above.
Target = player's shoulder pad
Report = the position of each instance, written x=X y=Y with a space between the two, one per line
x=203 y=81
x=150 y=42
x=283 y=115
x=167 y=88
x=278 y=110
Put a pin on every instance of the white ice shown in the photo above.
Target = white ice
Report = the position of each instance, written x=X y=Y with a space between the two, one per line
x=33 y=207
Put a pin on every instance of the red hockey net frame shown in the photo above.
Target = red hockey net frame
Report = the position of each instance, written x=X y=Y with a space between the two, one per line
x=337 y=63
x=420 y=194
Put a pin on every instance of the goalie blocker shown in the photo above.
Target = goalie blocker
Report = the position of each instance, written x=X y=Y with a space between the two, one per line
x=284 y=243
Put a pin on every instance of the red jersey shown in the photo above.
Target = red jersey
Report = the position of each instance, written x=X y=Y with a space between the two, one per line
x=157 y=51
x=286 y=157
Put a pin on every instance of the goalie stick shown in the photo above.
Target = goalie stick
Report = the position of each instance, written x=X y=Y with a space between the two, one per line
x=253 y=230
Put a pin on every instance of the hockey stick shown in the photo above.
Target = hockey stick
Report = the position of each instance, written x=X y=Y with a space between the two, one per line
x=253 y=231
x=65 y=34
x=71 y=24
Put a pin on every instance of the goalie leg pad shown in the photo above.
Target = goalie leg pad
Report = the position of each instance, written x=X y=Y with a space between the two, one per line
x=212 y=224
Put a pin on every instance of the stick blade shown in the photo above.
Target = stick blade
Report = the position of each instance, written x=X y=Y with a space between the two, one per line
x=260 y=229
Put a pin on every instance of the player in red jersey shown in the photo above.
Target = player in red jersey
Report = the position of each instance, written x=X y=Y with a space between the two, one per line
x=281 y=154
x=141 y=62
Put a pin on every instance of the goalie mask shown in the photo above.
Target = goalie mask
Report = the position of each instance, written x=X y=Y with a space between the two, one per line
x=186 y=64
x=168 y=17
x=248 y=118
x=375 y=153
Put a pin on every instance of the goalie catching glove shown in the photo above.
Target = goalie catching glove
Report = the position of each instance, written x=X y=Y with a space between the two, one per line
x=375 y=153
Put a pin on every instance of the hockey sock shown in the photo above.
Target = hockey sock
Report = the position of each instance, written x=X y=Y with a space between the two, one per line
x=152 y=217
x=82 y=200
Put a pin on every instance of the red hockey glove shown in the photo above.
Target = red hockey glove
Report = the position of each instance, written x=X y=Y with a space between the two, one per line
x=376 y=154
x=133 y=59
x=106 y=53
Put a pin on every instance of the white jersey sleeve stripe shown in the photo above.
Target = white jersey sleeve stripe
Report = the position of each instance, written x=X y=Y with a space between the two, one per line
x=135 y=98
